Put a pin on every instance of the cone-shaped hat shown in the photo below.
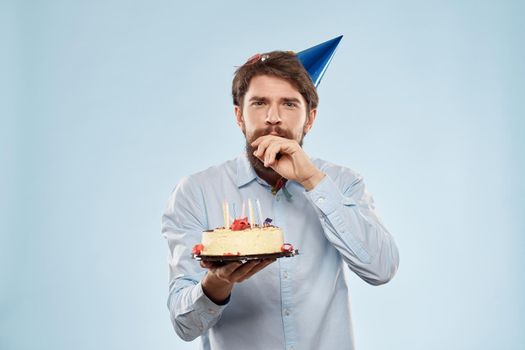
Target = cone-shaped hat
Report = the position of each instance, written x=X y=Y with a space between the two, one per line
x=316 y=59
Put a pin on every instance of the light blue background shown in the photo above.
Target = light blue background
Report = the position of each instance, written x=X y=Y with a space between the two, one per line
x=107 y=104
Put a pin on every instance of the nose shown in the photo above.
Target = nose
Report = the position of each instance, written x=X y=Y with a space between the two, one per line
x=272 y=115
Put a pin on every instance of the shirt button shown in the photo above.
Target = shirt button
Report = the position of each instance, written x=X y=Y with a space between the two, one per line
x=320 y=200
x=285 y=274
x=212 y=311
x=291 y=348
x=286 y=312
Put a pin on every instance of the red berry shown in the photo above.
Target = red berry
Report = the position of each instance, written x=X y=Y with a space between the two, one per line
x=197 y=249
x=287 y=247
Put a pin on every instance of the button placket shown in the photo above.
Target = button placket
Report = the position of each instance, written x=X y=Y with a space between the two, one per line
x=285 y=277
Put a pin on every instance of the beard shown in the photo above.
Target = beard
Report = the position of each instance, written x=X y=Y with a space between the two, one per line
x=256 y=163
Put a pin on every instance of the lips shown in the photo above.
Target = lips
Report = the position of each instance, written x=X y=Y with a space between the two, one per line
x=276 y=131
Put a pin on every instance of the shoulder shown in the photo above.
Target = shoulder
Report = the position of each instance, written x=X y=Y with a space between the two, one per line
x=212 y=175
x=223 y=169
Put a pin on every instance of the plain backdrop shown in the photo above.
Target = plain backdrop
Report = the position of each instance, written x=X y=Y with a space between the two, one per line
x=106 y=105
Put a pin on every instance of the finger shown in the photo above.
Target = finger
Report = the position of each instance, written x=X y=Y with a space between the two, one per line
x=256 y=142
x=243 y=270
x=261 y=139
x=290 y=147
x=263 y=145
x=257 y=268
x=210 y=265
x=259 y=152
x=261 y=265
x=266 y=139
x=224 y=272
x=231 y=267
x=271 y=153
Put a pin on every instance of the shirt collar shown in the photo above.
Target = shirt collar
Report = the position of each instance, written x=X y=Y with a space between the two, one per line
x=246 y=174
x=245 y=171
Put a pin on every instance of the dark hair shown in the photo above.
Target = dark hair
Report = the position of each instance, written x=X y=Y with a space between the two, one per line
x=281 y=64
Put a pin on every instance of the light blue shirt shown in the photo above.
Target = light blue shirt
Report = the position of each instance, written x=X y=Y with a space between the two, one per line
x=300 y=302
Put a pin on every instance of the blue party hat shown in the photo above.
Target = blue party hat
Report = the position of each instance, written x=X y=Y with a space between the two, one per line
x=317 y=58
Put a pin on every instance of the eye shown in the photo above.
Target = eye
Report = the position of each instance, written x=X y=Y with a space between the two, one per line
x=290 y=104
x=258 y=103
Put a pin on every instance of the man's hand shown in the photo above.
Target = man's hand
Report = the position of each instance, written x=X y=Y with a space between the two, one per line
x=293 y=163
x=218 y=282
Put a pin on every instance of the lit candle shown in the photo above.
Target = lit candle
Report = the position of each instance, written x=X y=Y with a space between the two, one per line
x=259 y=210
x=227 y=214
x=250 y=210
x=224 y=214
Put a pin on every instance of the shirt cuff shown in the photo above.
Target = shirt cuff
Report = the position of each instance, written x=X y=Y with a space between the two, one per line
x=203 y=304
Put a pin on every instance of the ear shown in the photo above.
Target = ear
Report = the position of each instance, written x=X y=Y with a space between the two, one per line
x=310 y=120
x=238 y=116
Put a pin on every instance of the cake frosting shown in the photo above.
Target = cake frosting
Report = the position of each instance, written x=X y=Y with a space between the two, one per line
x=242 y=239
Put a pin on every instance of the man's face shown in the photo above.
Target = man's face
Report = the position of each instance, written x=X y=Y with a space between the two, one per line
x=272 y=106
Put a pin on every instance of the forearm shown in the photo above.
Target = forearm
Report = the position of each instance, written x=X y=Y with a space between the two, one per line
x=368 y=249
x=192 y=312
x=353 y=228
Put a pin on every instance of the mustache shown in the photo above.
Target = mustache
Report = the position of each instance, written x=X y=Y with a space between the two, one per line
x=269 y=129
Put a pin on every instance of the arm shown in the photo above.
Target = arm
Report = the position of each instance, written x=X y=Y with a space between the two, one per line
x=348 y=217
x=197 y=297
x=192 y=312
x=353 y=227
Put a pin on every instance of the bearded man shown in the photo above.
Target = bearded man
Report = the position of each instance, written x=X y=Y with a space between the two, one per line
x=324 y=209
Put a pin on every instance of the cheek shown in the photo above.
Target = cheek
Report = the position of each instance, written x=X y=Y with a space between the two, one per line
x=253 y=120
x=248 y=127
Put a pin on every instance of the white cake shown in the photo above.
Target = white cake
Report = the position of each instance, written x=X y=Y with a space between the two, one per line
x=241 y=239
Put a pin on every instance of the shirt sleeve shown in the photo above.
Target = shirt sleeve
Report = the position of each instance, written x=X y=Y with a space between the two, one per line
x=353 y=227
x=192 y=312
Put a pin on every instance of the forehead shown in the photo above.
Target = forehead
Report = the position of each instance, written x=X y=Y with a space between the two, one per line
x=271 y=87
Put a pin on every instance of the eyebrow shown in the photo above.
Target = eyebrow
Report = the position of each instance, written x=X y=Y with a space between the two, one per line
x=283 y=99
x=291 y=99
x=257 y=98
